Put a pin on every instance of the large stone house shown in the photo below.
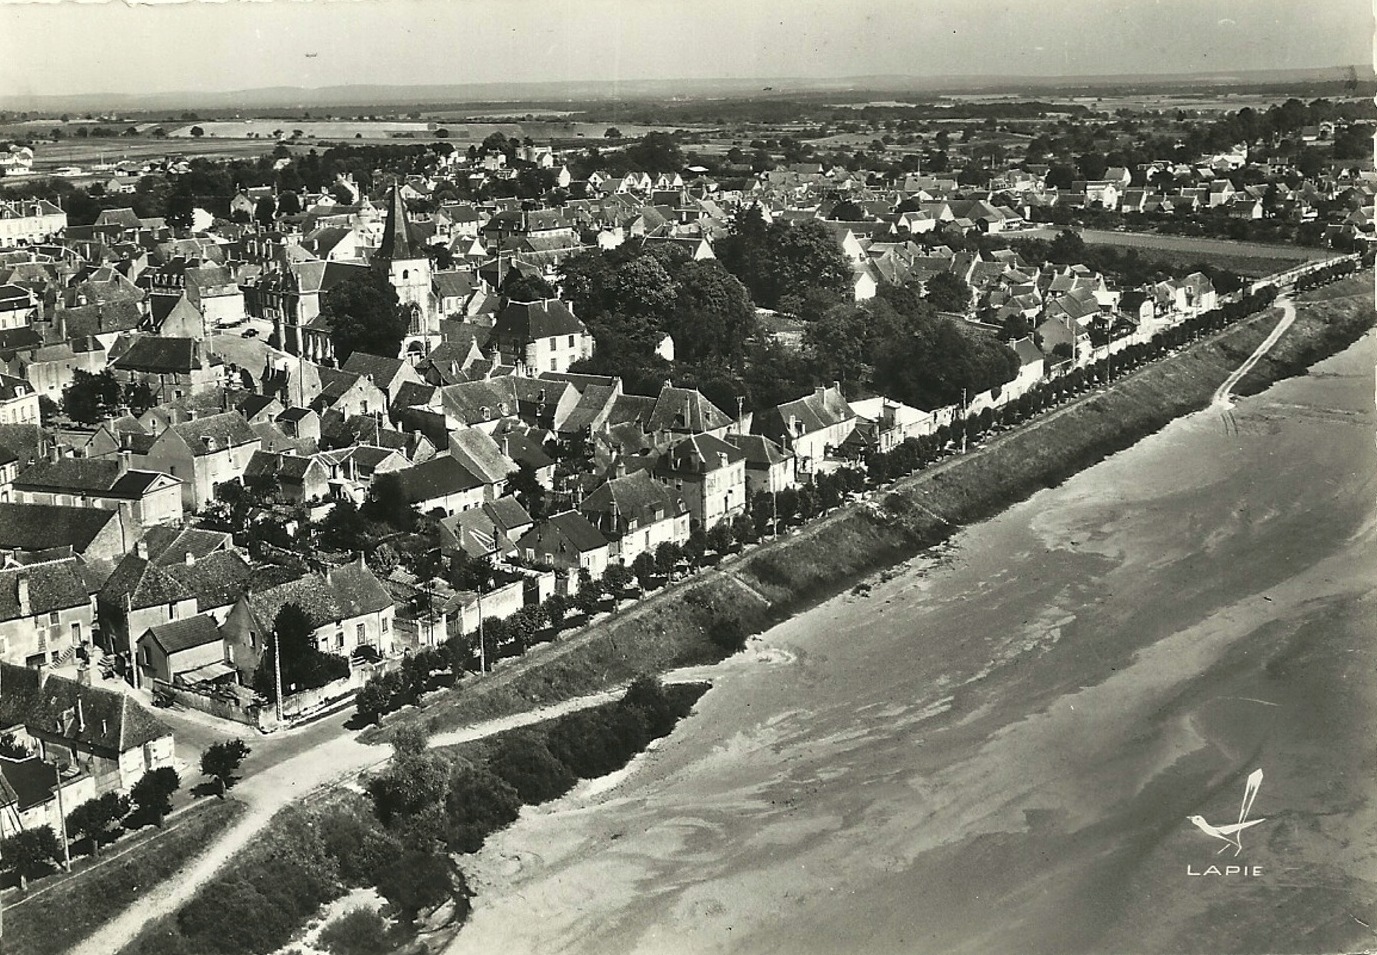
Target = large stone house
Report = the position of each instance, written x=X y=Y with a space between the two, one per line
x=46 y=612
x=150 y=497
x=812 y=427
x=636 y=514
x=202 y=452
x=543 y=336
x=711 y=476
x=348 y=608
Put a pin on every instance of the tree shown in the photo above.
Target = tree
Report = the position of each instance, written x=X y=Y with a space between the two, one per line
x=644 y=568
x=152 y=793
x=288 y=204
x=360 y=931
x=416 y=881
x=616 y=579
x=948 y=293
x=666 y=557
x=414 y=779
x=530 y=493
x=221 y=761
x=373 y=699
x=721 y=538
x=264 y=210
x=612 y=133
x=197 y=132
x=555 y=609
x=31 y=853
x=95 y=817
x=90 y=398
x=588 y=599
x=364 y=314
x=712 y=317
x=304 y=665
x=782 y=258
x=521 y=287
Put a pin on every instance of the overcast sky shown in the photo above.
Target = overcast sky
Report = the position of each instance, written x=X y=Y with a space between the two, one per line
x=118 y=47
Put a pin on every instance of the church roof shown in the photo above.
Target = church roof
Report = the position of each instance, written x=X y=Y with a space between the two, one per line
x=396 y=241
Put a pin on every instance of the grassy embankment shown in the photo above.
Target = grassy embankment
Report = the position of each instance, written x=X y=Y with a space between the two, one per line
x=779 y=579
x=57 y=914
x=428 y=802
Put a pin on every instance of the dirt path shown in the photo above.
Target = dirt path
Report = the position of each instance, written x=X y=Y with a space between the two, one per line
x=331 y=763
x=1221 y=396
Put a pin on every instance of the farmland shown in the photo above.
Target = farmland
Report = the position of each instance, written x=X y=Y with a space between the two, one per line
x=1244 y=258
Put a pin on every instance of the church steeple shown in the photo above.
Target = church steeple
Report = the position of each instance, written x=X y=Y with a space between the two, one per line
x=396 y=241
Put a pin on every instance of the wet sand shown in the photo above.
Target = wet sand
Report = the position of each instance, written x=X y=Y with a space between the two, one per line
x=997 y=749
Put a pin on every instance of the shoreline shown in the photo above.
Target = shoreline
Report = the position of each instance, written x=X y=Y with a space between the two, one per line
x=773 y=582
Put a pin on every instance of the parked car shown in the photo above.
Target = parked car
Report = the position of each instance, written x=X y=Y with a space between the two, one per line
x=249 y=333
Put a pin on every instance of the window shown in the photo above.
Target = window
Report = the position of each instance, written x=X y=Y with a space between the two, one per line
x=339 y=639
x=53 y=618
x=76 y=633
x=253 y=640
x=571 y=341
x=553 y=366
x=359 y=634
x=385 y=623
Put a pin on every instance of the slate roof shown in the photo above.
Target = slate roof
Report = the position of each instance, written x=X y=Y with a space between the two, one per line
x=225 y=430
x=440 y=476
x=759 y=450
x=636 y=496
x=481 y=454
x=823 y=408
x=107 y=721
x=54 y=585
x=529 y=321
x=685 y=410
x=185 y=634
x=340 y=593
x=71 y=475
x=36 y=527
x=383 y=370
x=563 y=533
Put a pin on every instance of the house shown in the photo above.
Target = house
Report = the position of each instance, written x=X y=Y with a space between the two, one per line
x=18 y=401
x=169 y=576
x=811 y=427
x=387 y=374
x=171 y=367
x=542 y=336
x=151 y=497
x=347 y=606
x=29 y=793
x=566 y=541
x=103 y=733
x=46 y=612
x=769 y=468
x=91 y=533
x=441 y=483
x=202 y=452
x=490 y=530
x=883 y=424
x=636 y=514
x=349 y=394
x=711 y=476
x=483 y=458
x=297 y=478
x=183 y=651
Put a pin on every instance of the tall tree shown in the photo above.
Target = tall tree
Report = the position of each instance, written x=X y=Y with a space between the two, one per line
x=365 y=315
x=152 y=793
x=712 y=317
x=221 y=761
x=90 y=398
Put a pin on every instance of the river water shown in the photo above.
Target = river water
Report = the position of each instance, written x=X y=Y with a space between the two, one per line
x=998 y=749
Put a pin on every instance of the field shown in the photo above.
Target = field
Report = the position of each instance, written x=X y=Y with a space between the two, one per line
x=538 y=130
x=1244 y=258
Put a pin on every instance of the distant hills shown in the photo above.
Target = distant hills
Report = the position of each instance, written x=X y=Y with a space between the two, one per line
x=582 y=91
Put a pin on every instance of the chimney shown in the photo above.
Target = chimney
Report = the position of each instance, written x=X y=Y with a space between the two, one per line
x=141 y=549
x=124 y=458
x=23 y=596
x=81 y=716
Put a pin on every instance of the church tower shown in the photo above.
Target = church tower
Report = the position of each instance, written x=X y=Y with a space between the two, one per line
x=408 y=270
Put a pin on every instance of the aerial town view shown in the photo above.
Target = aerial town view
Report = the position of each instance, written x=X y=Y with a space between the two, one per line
x=634 y=476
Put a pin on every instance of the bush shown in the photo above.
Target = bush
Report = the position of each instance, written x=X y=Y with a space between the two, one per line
x=235 y=919
x=359 y=847
x=528 y=766
x=416 y=881
x=358 y=932
x=728 y=633
x=479 y=803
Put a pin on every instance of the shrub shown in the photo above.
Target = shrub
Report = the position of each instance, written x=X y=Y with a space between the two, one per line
x=528 y=766
x=359 y=847
x=358 y=932
x=479 y=802
x=728 y=633
x=416 y=881
x=235 y=919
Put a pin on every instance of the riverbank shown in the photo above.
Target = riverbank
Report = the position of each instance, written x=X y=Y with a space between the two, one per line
x=774 y=581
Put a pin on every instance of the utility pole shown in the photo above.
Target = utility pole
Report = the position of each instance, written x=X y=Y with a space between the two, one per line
x=482 y=645
x=62 y=819
x=964 y=419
